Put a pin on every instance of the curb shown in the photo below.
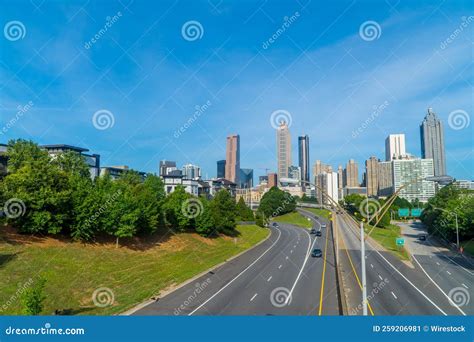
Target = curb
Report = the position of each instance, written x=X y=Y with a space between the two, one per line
x=163 y=294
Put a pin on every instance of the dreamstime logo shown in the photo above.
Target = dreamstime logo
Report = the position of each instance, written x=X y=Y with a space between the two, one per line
x=14 y=30
x=103 y=119
x=199 y=110
x=458 y=119
x=369 y=207
x=280 y=297
x=280 y=116
x=109 y=22
x=377 y=110
x=198 y=289
x=370 y=30
x=465 y=21
x=192 y=30
x=192 y=208
x=459 y=296
x=14 y=208
x=102 y=297
x=287 y=21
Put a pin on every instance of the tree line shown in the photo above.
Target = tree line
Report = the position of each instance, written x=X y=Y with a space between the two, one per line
x=56 y=195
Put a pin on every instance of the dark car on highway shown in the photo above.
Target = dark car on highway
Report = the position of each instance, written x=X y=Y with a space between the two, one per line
x=313 y=231
x=422 y=238
x=318 y=233
x=317 y=253
x=275 y=224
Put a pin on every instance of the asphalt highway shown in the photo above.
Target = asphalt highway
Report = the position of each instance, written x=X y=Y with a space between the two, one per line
x=393 y=287
x=278 y=277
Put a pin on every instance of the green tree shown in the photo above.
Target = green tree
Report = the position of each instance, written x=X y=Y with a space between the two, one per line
x=174 y=209
x=41 y=188
x=243 y=211
x=259 y=219
x=33 y=298
x=224 y=212
x=276 y=202
x=204 y=223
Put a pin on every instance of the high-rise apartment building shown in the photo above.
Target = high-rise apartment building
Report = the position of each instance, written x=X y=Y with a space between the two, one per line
x=351 y=174
x=385 y=179
x=395 y=147
x=326 y=187
x=371 y=176
x=283 y=150
x=232 y=159
x=320 y=167
x=432 y=142
x=221 y=169
x=303 y=157
x=191 y=171
x=410 y=173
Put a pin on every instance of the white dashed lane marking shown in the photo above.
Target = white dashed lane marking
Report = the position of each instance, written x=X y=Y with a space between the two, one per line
x=279 y=267
x=393 y=294
x=464 y=285
x=255 y=295
x=269 y=278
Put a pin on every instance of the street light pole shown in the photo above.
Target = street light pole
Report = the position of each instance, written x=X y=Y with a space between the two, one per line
x=457 y=231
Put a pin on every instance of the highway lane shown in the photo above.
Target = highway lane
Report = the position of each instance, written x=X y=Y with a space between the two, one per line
x=278 y=277
x=452 y=273
x=393 y=287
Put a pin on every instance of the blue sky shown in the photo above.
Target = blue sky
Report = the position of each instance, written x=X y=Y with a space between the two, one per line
x=318 y=68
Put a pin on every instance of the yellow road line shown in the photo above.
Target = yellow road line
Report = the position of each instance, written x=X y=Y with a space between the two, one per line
x=324 y=273
x=355 y=273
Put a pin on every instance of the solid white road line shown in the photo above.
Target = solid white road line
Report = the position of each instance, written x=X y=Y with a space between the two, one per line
x=255 y=295
x=452 y=260
x=408 y=281
x=238 y=275
x=439 y=288
x=464 y=285
x=308 y=252
x=269 y=278
x=393 y=294
x=279 y=267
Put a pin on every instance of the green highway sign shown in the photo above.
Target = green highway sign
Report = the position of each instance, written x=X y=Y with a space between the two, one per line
x=400 y=241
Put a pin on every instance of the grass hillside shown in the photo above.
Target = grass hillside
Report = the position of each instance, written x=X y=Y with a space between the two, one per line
x=133 y=272
x=294 y=218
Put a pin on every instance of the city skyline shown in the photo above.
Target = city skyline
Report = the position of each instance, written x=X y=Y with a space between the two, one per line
x=72 y=83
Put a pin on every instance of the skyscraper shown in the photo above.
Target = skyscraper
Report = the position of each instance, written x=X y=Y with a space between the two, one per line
x=351 y=174
x=395 y=146
x=432 y=142
x=303 y=155
x=221 y=169
x=327 y=182
x=232 y=159
x=319 y=167
x=410 y=174
x=283 y=150
x=167 y=167
x=385 y=179
x=371 y=176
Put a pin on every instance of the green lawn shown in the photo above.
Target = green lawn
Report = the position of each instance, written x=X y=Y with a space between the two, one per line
x=320 y=212
x=387 y=237
x=294 y=218
x=133 y=273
